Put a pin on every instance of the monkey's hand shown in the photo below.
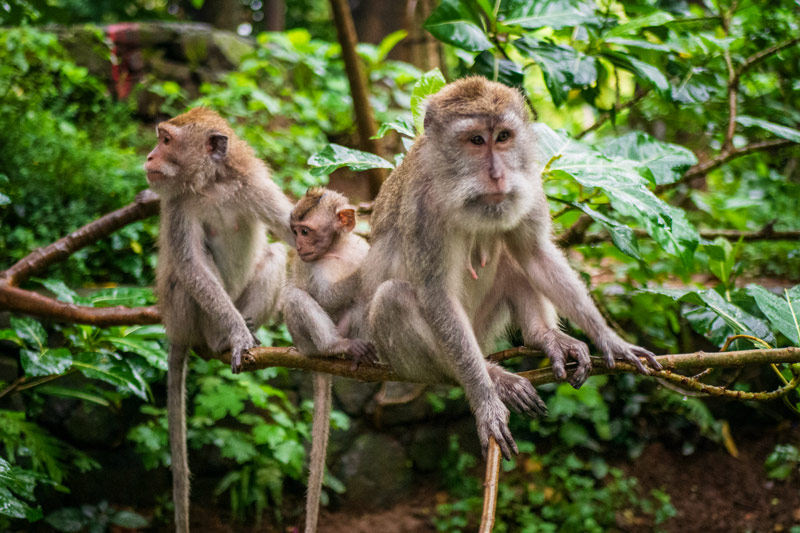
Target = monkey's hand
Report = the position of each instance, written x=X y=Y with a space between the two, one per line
x=240 y=346
x=361 y=351
x=492 y=421
x=616 y=349
x=559 y=347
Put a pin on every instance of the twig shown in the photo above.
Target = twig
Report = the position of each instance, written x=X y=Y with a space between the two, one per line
x=490 y=483
x=603 y=118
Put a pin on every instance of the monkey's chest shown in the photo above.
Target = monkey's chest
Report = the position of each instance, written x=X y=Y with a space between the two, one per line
x=234 y=244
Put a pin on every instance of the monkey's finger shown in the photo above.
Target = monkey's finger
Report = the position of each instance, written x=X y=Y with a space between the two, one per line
x=536 y=402
x=650 y=356
x=635 y=361
x=236 y=360
x=608 y=359
x=581 y=355
x=507 y=443
x=558 y=365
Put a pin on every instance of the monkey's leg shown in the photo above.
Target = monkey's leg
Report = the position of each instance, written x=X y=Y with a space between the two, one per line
x=258 y=302
x=320 y=430
x=176 y=415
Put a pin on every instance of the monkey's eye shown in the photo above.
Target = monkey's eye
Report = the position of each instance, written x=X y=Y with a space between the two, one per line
x=503 y=136
x=166 y=140
x=304 y=231
x=477 y=140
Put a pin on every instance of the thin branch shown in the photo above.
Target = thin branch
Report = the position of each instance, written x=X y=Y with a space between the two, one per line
x=603 y=118
x=766 y=234
x=346 y=31
x=765 y=53
x=490 y=483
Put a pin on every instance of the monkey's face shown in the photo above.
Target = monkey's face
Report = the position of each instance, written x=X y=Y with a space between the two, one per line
x=490 y=166
x=314 y=236
x=163 y=162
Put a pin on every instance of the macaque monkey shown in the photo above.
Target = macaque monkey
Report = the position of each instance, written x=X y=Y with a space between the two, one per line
x=317 y=307
x=217 y=278
x=469 y=184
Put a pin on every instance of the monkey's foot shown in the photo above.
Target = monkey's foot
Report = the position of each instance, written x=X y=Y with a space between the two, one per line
x=517 y=392
x=492 y=421
x=559 y=347
x=614 y=348
x=251 y=325
x=361 y=351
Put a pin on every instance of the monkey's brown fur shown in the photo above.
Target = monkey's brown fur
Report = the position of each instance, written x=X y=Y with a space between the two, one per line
x=217 y=277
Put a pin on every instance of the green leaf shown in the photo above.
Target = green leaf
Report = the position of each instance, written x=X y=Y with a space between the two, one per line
x=389 y=42
x=45 y=362
x=59 y=288
x=781 y=131
x=555 y=14
x=777 y=310
x=29 y=331
x=721 y=259
x=127 y=296
x=428 y=84
x=665 y=162
x=639 y=43
x=400 y=125
x=67 y=520
x=150 y=350
x=66 y=392
x=623 y=237
x=659 y=18
x=129 y=520
x=4 y=200
x=335 y=156
x=563 y=67
x=118 y=373
x=498 y=69
x=643 y=70
x=458 y=23
x=626 y=189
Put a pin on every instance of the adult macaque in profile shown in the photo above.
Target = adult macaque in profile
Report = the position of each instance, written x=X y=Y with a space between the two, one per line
x=217 y=278
x=471 y=183
x=317 y=307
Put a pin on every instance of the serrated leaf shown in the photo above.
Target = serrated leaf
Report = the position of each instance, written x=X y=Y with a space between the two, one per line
x=428 y=84
x=498 y=69
x=335 y=156
x=643 y=70
x=777 y=310
x=563 y=67
x=633 y=26
x=626 y=189
x=781 y=131
x=459 y=24
x=623 y=237
x=664 y=161
x=555 y=14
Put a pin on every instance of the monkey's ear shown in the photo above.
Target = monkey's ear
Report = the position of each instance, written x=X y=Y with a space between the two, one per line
x=217 y=145
x=346 y=217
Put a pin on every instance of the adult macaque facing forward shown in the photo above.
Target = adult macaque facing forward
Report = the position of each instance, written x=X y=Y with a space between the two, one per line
x=471 y=183
x=217 y=277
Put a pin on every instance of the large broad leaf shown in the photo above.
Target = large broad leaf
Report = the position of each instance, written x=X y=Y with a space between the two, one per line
x=29 y=331
x=428 y=84
x=716 y=318
x=625 y=187
x=665 y=162
x=400 y=125
x=498 y=69
x=458 y=23
x=563 y=67
x=116 y=372
x=336 y=156
x=45 y=362
x=555 y=14
x=150 y=350
x=127 y=296
x=781 y=131
x=783 y=314
x=623 y=237
x=642 y=70
x=632 y=27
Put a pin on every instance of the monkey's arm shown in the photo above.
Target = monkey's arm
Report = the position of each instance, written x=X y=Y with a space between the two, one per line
x=549 y=272
x=340 y=293
x=274 y=208
x=184 y=243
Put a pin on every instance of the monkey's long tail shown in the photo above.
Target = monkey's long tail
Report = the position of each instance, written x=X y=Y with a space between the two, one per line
x=320 y=427
x=176 y=416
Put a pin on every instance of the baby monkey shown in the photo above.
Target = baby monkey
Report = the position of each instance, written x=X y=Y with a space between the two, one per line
x=317 y=307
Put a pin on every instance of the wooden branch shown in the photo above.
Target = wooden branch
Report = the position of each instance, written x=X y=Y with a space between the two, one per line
x=262 y=357
x=346 y=32
x=765 y=53
x=146 y=205
x=603 y=118
x=765 y=234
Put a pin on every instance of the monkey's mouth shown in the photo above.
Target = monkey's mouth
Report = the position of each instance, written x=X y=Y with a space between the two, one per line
x=306 y=256
x=493 y=198
x=155 y=175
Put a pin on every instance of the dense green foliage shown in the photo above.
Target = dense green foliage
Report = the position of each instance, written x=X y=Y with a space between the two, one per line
x=69 y=153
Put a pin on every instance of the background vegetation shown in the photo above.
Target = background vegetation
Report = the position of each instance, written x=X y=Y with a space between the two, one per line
x=662 y=122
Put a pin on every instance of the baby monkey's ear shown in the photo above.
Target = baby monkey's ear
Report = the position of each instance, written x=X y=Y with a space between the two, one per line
x=346 y=218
